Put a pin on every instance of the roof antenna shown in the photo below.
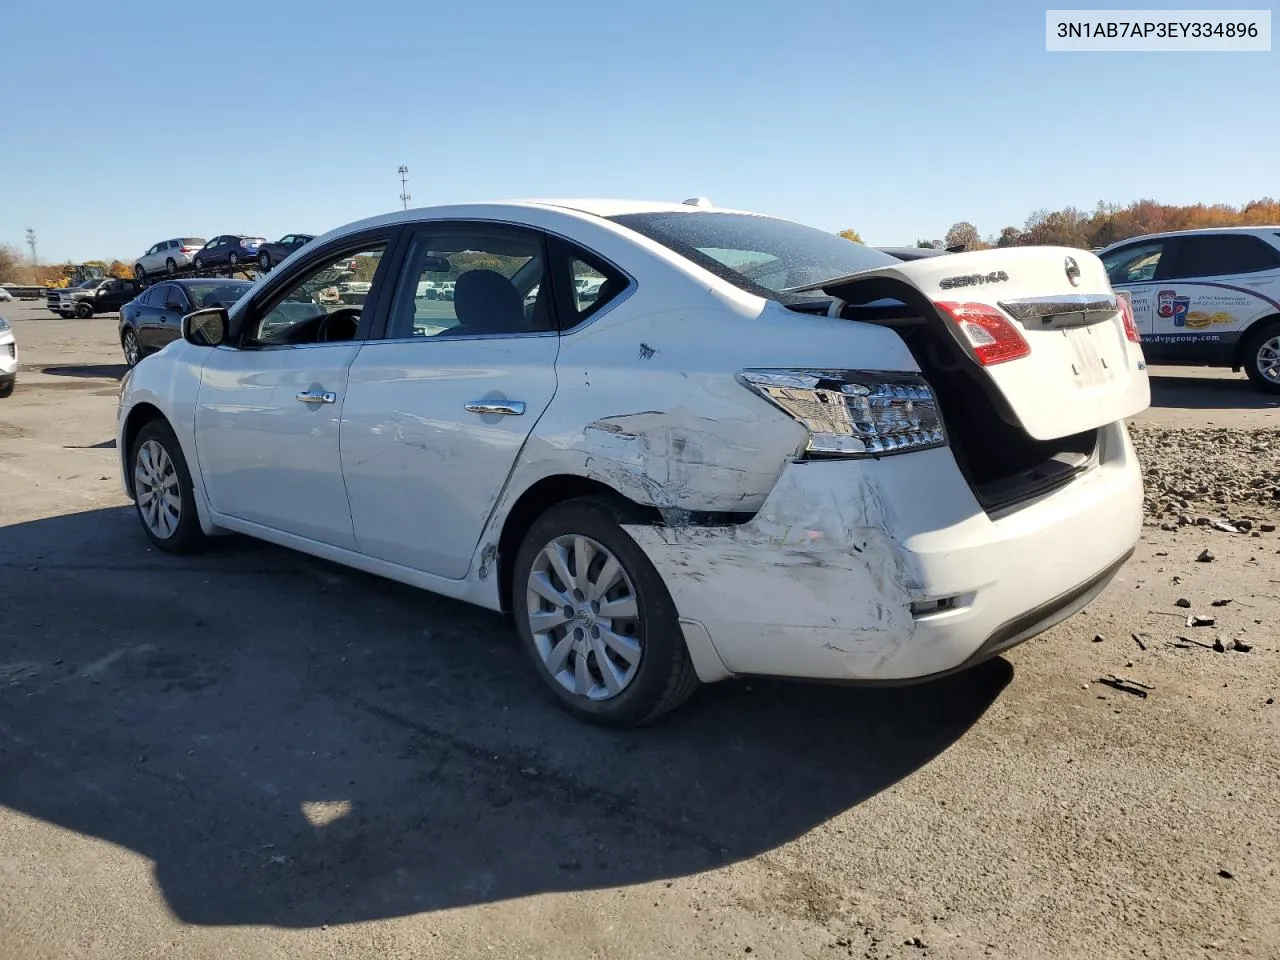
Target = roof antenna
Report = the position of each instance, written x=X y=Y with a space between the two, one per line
x=697 y=202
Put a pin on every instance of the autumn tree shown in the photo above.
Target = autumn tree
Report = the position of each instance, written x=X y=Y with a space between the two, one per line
x=852 y=234
x=1009 y=237
x=13 y=265
x=965 y=236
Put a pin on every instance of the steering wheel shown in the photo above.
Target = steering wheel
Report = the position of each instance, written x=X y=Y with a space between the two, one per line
x=339 y=325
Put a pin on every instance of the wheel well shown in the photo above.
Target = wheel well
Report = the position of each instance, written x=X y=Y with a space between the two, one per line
x=139 y=417
x=1247 y=334
x=536 y=501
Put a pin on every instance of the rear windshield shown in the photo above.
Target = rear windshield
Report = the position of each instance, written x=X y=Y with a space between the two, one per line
x=762 y=255
x=193 y=242
x=220 y=293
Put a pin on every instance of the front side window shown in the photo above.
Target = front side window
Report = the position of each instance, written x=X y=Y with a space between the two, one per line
x=761 y=255
x=468 y=281
x=325 y=305
x=1136 y=263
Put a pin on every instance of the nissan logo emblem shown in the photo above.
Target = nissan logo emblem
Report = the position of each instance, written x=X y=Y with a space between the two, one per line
x=1073 y=271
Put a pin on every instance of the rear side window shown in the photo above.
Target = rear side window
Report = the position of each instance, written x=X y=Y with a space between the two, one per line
x=1222 y=255
x=761 y=255
x=1136 y=263
x=586 y=283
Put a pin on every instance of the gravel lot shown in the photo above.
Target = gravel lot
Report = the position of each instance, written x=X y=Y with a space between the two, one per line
x=251 y=753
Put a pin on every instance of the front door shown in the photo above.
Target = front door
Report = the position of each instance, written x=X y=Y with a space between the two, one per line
x=269 y=411
x=438 y=411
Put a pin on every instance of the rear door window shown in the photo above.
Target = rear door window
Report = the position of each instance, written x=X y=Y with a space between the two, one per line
x=1221 y=255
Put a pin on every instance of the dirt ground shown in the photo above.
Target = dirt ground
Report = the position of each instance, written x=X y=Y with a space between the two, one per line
x=251 y=753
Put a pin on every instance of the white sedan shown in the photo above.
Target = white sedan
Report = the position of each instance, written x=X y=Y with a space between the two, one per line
x=8 y=359
x=755 y=448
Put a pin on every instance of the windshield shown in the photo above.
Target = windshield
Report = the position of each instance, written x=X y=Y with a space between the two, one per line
x=762 y=255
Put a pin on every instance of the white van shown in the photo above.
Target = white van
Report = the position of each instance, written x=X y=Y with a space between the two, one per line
x=1205 y=297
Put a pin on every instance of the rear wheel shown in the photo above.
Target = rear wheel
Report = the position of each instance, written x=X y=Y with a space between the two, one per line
x=233 y=260
x=264 y=260
x=162 y=492
x=1262 y=358
x=6 y=389
x=597 y=619
x=130 y=344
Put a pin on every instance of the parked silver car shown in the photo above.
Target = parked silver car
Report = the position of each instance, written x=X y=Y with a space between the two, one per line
x=168 y=256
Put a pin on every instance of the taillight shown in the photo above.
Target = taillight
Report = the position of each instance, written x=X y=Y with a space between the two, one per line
x=244 y=243
x=990 y=334
x=1126 y=317
x=189 y=249
x=854 y=413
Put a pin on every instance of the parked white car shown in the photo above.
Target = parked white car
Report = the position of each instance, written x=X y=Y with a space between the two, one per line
x=1205 y=297
x=8 y=359
x=759 y=449
x=167 y=256
x=5 y=295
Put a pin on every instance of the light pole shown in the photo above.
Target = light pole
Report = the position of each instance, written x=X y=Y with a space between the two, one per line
x=35 y=261
x=404 y=186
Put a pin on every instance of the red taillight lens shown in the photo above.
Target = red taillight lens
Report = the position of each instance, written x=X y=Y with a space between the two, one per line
x=991 y=335
x=189 y=249
x=1126 y=316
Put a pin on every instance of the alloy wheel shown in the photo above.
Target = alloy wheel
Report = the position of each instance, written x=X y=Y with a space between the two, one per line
x=131 y=348
x=1268 y=359
x=155 y=484
x=585 y=617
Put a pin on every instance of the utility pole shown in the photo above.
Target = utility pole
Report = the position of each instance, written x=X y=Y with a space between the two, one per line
x=404 y=186
x=35 y=261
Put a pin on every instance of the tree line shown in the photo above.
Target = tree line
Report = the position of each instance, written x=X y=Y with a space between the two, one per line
x=1107 y=224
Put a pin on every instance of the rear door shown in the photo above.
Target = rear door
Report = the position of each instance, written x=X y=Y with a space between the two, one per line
x=1067 y=365
x=439 y=409
x=1212 y=288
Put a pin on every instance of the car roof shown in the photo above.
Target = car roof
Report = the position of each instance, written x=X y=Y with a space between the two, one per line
x=1260 y=231
x=498 y=209
x=188 y=281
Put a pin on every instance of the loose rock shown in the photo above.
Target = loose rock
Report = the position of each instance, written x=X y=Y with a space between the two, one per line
x=1182 y=602
x=1206 y=556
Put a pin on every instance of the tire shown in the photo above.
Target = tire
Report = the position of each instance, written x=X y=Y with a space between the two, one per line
x=264 y=260
x=84 y=311
x=661 y=676
x=233 y=261
x=1262 y=351
x=170 y=266
x=6 y=390
x=129 y=344
x=138 y=272
x=163 y=475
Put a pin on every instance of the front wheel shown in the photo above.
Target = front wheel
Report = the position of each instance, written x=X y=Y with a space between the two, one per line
x=130 y=344
x=162 y=492
x=1262 y=358
x=84 y=311
x=138 y=272
x=6 y=389
x=597 y=619
x=171 y=266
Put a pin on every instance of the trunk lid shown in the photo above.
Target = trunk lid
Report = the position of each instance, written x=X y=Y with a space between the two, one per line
x=1078 y=369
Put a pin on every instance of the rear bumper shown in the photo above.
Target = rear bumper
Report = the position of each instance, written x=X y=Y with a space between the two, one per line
x=889 y=571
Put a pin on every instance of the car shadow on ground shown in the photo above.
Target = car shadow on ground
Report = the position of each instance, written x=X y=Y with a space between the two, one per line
x=93 y=371
x=296 y=744
x=1210 y=393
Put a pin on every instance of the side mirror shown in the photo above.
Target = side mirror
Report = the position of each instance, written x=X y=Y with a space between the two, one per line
x=206 y=328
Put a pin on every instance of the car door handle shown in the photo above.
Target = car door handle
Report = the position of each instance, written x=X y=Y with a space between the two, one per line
x=317 y=397
x=510 y=408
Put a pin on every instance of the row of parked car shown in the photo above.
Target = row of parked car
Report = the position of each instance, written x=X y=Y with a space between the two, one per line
x=224 y=250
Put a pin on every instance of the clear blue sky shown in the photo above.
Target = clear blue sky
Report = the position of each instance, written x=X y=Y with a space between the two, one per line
x=125 y=124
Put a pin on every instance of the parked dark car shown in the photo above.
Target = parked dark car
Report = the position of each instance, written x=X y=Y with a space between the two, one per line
x=92 y=296
x=154 y=319
x=269 y=254
x=228 y=250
